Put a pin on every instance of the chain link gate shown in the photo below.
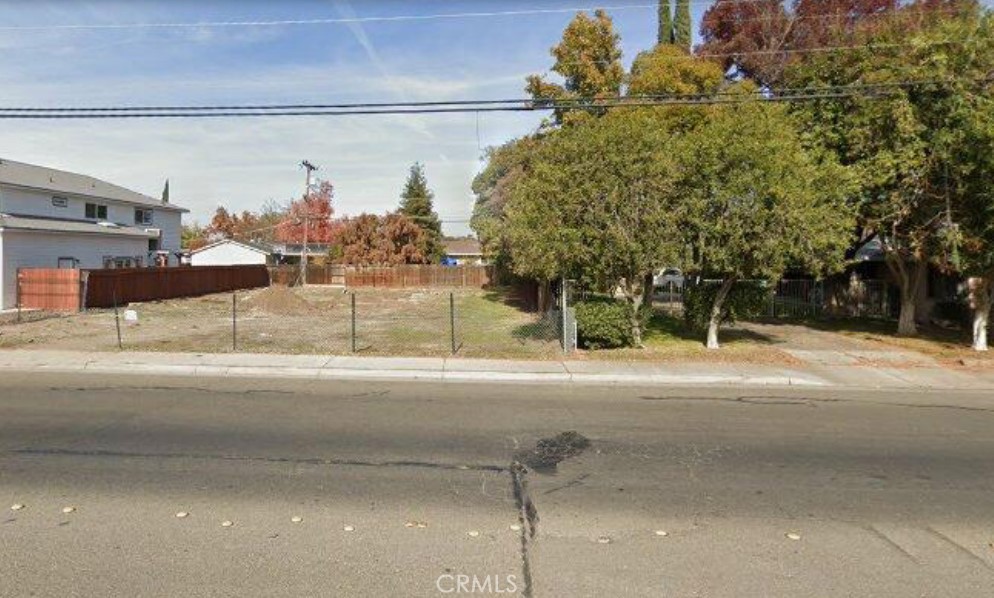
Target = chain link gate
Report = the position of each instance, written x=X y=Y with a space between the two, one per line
x=568 y=316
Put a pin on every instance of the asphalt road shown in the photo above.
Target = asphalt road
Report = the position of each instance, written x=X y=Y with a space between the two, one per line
x=402 y=488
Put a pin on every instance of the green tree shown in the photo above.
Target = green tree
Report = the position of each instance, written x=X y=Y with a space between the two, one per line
x=598 y=204
x=905 y=144
x=665 y=34
x=416 y=203
x=193 y=236
x=682 y=25
x=755 y=201
x=506 y=166
x=667 y=69
x=589 y=60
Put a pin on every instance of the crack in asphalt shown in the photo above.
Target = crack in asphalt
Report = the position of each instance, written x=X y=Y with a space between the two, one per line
x=527 y=520
x=545 y=457
x=56 y=452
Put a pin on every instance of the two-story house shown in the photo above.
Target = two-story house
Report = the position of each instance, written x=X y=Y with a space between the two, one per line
x=56 y=219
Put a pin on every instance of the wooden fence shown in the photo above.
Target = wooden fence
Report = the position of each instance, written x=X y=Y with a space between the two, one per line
x=316 y=274
x=105 y=287
x=49 y=289
x=401 y=277
x=71 y=290
x=396 y=277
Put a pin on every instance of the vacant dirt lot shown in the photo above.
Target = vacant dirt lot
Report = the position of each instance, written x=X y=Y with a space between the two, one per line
x=313 y=320
x=319 y=320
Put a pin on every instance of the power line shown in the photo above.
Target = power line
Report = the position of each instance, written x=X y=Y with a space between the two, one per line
x=474 y=104
x=394 y=111
x=466 y=106
x=328 y=21
x=348 y=20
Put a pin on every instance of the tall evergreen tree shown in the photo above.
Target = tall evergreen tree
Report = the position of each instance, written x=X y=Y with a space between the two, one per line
x=682 y=25
x=665 y=35
x=416 y=204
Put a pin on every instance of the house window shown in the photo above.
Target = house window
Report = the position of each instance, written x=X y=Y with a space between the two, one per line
x=143 y=216
x=60 y=202
x=96 y=211
x=68 y=262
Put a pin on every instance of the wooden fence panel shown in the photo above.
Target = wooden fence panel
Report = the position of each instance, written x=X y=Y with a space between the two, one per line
x=414 y=276
x=104 y=288
x=50 y=289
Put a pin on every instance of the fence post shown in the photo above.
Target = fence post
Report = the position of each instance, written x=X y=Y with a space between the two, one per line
x=117 y=323
x=353 y=321
x=234 y=321
x=452 y=320
x=18 y=298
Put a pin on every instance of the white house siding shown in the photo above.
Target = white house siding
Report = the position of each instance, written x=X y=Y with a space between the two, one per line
x=31 y=202
x=34 y=249
x=227 y=254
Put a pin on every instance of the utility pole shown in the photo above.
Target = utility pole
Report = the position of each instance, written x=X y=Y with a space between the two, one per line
x=307 y=220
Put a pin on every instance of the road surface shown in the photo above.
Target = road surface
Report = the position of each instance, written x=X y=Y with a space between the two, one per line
x=423 y=489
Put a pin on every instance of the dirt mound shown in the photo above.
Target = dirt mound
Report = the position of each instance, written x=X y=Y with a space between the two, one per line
x=278 y=300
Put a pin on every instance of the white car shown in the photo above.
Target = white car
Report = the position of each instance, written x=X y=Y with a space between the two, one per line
x=667 y=279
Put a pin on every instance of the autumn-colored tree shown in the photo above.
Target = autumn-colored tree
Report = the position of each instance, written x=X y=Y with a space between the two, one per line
x=359 y=239
x=371 y=240
x=405 y=241
x=193 y=237
x=761 y=39
x=589 y=60
x=313 y=212
x=667 y=69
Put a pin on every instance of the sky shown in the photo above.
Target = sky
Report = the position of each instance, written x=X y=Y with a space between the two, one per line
x=243 y=163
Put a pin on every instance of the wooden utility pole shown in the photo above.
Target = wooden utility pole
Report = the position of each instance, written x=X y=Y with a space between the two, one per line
x=307 y=220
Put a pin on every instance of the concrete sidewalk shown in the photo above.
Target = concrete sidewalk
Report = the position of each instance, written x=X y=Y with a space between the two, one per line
x=818 y=374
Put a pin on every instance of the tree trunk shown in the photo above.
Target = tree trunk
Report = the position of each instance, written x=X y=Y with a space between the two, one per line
x=911 y=279
x=635 y=293
x=715 y=320
x=648 y=289
x=980 y=302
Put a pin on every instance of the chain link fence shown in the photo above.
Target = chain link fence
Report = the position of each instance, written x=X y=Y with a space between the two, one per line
x=314 y=320
x=325 y=320
x=803 y=298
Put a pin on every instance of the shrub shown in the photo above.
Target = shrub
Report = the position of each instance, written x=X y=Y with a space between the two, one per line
x=748 y=298
x=603 y=324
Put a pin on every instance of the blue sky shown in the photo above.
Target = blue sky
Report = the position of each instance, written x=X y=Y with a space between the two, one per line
x=243 y=163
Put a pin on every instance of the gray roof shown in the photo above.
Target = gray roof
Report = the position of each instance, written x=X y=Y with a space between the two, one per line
x=61 y=181
x=72 y=226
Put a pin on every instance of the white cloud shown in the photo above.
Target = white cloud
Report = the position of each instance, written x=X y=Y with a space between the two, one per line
x=241 y=163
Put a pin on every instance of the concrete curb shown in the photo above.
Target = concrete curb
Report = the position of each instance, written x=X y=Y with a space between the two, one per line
x=339 y=369
x=593 y=373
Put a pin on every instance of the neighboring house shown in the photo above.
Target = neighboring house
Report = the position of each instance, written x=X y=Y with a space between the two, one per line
x=462 y=252
x=56 y=219
x=292 y=253
x=229 y=252
x=869 y=265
